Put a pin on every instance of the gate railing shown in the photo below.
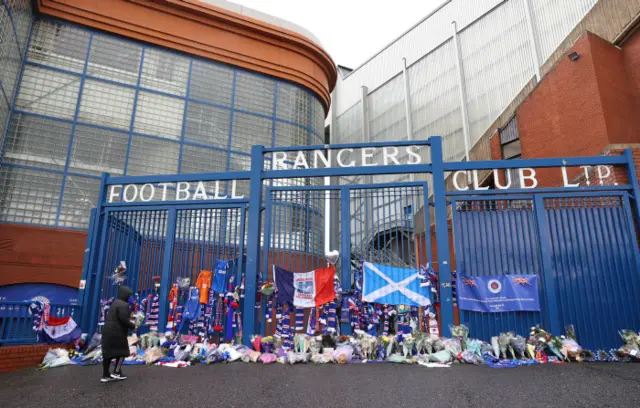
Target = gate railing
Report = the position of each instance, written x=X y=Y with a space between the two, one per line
x=147 y=190
x=16 y=323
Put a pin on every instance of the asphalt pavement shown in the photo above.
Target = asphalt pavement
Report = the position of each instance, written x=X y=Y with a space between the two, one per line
x=327 y=386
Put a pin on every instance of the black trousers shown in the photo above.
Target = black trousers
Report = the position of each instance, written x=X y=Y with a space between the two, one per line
x=107 y=362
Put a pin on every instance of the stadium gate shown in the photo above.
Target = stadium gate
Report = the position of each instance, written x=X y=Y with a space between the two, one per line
x=580 y=240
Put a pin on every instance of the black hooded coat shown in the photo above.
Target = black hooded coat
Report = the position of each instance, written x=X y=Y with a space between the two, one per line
x=116 y=326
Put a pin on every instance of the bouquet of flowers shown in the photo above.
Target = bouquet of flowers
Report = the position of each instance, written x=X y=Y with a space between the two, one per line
x=383 y=345
x=138 y=319
x=266 y=344
x=407 y=345
x=152 y=355
x=485 y=348
x=368 y=345
x=461 y=332
x=315 y=345
x=267 y=288
x=301 y=343
x=570 y=349
x=319 y=358
x=438 y=344
x=120 y=273
x=453 y=346
x=630 y=337
x=442 y=356
x=470 y=357
x=530 y=350
x=518 y=346
x=474 y=346
x=495 y=346
x=427 y=344
x=503 y=343
x=554 y=346
x=267 y=358
x=539 y=336
x=183 y=283
x=343 y=354
x=391 y=345
x=631 y=348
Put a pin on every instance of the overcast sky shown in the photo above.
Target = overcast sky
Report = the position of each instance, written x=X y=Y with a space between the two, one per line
x=350 y=30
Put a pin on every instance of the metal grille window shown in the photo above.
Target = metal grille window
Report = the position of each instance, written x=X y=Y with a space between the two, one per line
x=211 y=83
x=159 y=115
x=80 y=195
x=202 y=160
x=114 y=59
x=165 y=71
x=207 y=124
x=59 y=46
x=90 y=102
x=152 y=156
x=29 y=196
x=37 y=141
x=96 y=150
x=290 y=135
x=293 y=104
x=248 y=99
x=106 y=104
x=48 y=92
x=249 y=130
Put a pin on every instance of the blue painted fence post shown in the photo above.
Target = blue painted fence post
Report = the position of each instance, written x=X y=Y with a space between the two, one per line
x=87 y=275
x=167 y=264
x=548 y=278
x=91 y=298
x=253 y=244
x=442 y=233
x=345 y=248
x=632 y=175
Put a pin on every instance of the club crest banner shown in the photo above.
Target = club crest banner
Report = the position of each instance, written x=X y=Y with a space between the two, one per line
x=504 y=293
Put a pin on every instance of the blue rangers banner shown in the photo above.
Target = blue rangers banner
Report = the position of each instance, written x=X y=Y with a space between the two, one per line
x=504 y=293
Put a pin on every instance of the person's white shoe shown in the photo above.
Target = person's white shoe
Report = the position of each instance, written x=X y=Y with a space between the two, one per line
x=118 y=376
x=107 y=379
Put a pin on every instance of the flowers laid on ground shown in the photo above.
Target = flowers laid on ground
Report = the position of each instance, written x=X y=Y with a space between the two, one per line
x=505 y=350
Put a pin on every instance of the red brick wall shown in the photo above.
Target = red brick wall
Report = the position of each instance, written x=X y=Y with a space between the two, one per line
x=564 y=115
x=617 y=94
x=582 y=106
x=631 y=56
x=32 y=254
x=14 y=358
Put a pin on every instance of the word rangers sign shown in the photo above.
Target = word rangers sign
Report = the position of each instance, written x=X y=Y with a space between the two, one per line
x=368 y=156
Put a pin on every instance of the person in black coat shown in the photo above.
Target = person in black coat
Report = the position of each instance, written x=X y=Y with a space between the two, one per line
x=114 y=335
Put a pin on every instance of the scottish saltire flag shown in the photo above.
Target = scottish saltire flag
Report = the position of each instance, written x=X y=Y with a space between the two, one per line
x=393 y=286
x=307 y=289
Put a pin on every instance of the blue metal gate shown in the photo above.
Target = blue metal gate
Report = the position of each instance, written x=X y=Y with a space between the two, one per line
x=166 y=243
x=372 y=222
x=583 y=247
x=580 y=241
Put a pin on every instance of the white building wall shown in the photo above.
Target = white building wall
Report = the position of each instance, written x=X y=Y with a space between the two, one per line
x=497 y=60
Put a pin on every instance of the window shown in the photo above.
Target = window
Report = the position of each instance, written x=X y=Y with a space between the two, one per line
x=511 y=150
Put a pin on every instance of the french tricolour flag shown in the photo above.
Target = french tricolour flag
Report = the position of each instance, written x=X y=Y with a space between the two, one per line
x=307 y=289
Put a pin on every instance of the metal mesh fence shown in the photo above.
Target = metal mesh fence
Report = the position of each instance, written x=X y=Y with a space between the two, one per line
x=90 y=103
